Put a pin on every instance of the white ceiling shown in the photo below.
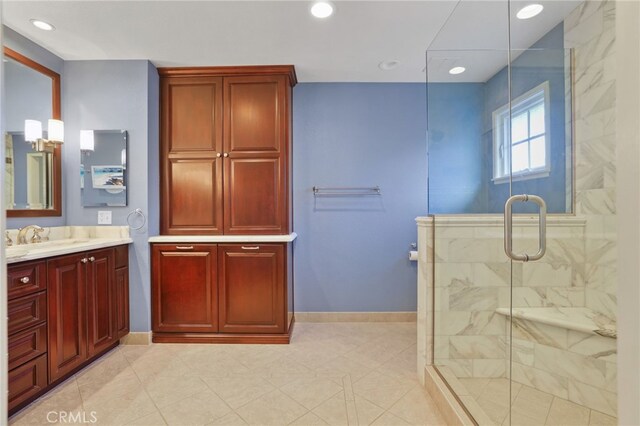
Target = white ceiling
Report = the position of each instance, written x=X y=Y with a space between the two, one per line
x=346 y=47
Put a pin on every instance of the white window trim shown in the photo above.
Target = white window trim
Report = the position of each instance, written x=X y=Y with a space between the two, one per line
x=501 y=117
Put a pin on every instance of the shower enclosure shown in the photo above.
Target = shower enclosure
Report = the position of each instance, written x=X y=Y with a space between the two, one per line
x=517 y=280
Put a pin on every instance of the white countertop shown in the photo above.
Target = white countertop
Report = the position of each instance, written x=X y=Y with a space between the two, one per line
x=24 y=252
x=287 y=238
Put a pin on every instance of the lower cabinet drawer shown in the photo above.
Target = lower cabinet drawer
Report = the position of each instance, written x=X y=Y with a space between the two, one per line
x=26 y=278
x=27 y=380
x=26 y=345
x=27 y=311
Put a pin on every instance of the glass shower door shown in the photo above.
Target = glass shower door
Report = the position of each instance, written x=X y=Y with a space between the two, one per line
x=523 y=216
x=563 y=342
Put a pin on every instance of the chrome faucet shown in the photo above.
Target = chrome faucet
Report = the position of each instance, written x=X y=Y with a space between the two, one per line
x=22 y=234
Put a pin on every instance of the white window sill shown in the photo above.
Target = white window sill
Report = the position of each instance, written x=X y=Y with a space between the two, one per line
x=521 y=176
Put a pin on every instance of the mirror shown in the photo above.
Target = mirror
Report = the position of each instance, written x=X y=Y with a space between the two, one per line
x=103 y=171
x=32 y=179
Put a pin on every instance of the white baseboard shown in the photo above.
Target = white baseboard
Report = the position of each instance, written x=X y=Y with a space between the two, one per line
x=356 y=316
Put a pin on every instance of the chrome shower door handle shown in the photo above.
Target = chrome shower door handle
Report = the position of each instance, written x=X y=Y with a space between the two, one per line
x=542 y=227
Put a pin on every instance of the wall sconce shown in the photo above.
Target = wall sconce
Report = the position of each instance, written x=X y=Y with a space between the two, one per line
x=87 y=141
x=33 y=134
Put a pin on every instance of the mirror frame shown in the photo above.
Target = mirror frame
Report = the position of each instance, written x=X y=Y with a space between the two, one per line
x=57 y=154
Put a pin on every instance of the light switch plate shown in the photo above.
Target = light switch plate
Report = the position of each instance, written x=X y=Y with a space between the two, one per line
x=104 y=217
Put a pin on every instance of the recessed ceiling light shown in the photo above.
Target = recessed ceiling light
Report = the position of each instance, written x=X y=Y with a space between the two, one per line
x=529 y=11
x=322 y=9
x=388 y=65
x=42 y=25
x=457 y=70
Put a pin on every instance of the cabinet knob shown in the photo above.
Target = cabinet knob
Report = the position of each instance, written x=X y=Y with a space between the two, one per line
x=24 y=280
x=226 y=154
x=218 y=155
x=92 y=259
x=84 y=260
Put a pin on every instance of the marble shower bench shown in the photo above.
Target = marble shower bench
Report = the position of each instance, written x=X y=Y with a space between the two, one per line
x=568 y=352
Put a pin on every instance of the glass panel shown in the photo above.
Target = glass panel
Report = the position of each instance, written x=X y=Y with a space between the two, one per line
x=519 y=127
x=536 y=118
x=471 y=274
x=538 y=152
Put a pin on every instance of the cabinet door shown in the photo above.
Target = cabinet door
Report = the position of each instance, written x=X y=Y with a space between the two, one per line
x=122 y=302
x=251 y=287
x=101 y=298
x=256 y=138
x=67 y=314
x=191 y=149
x=184 y=288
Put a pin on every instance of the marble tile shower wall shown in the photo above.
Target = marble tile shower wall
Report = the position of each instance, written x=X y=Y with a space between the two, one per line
x=590 y=31
x=473 y=278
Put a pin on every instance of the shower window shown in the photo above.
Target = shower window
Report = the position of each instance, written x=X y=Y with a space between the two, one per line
x=523 y=130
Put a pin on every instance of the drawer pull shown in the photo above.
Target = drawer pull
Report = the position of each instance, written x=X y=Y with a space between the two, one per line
x=92 y=259
x=184 y=247
x=25 y=280
x=251 y=248
x=84 y=260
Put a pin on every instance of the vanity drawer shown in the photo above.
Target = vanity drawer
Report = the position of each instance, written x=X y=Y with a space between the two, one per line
x=26 y=345
x=26 y=278
x=27 y=380
x=27 y=311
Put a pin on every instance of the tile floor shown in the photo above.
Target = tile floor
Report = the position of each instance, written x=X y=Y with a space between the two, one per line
x=529 y=406
x=331 y=373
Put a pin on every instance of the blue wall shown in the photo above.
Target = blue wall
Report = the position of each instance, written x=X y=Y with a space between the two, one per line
x=461 y=137
x=106 y=95
x=39 y=54
x=456 y=171
x=544 y=61
x=351 y=254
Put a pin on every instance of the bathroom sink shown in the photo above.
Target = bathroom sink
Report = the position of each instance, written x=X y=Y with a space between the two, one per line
x=55 y=243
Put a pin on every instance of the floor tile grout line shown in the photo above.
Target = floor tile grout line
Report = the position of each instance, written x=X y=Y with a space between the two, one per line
x=159 y=410
x=147 y=393
x=246 y=403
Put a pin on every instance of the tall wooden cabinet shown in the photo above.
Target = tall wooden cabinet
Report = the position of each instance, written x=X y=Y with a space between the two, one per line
x=225 y=150
x=225 y=171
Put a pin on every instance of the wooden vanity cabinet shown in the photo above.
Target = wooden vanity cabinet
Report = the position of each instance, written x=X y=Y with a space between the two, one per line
x=225 y=150
x=220 y=293
x=63 y=312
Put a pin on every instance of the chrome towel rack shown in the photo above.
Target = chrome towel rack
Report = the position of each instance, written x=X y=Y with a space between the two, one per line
x=346 y=191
